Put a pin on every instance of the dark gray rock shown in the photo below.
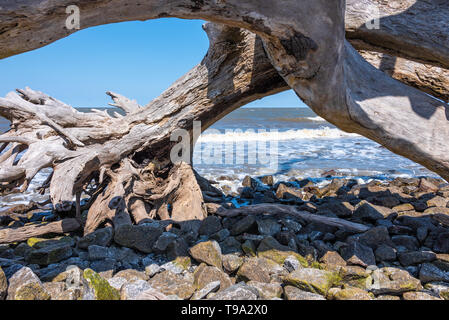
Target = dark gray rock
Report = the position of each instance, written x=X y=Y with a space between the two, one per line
x=431 y=273
x=164 y=241
x=268 y=227
x=220 y=235
x=101 y=237
x=177 y=248
x=104 y=265
x=441 y=244
x=243 y=225
x=140 y=237
x=416 y=257
x=369 y=212
x=356 y=253
x=97 y=252
x=49 y=254
x=408 y=242
x=230 y=245
x=385 y=253
x=210 y=226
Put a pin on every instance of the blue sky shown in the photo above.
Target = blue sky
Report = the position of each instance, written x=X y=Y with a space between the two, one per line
x=136 y=59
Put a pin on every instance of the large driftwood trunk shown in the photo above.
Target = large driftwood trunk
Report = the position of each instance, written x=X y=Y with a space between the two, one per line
x=257 y=48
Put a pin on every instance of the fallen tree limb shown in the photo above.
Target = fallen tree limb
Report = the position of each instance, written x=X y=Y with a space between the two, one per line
x=282 y=209
x=23 y=233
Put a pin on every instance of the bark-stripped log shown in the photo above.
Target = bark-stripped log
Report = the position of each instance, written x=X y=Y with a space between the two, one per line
x=282 y=209
x=20 y=234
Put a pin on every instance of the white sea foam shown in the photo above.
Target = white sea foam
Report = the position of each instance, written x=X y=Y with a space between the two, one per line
x=251 y=135
x=317 y=119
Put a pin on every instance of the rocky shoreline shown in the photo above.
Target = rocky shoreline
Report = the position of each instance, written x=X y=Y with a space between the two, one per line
x=236 y=255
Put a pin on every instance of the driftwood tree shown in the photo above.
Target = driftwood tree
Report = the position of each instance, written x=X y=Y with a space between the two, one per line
x=257 y=48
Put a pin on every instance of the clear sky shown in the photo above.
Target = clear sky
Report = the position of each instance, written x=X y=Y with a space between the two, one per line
x=136 y=59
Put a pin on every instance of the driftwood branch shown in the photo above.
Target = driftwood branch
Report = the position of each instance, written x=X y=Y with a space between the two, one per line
x=20 y=234
x=281 y=209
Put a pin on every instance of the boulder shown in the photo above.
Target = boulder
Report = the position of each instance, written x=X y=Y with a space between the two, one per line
x=208 y=252
x=441 y=244
x=243 y=225
x=132 y=275
x=393 y=281
x=313 y=280
x=408 y=242
x=256 y=269
x=439 y=288
x=210 y=226
x=209 y=288
x=348 y=293
x=169 y=283
x=369 y=212
x=239 y=291
x=97 y=288
x=419 y=296
x=204 y=275
x=385 y=253
x=375 y=236
x=332 y=260
x=100 y=237
x=291 y=264
x=293 y=293
x=49 y=254
x=151 y=294
x=25 y=285
x=164 y=241
x=271 y=249
x=232 y=262
x=131 y=290
x=416 y=257
x=54 y=289
x=230 y=245
x=268 y=227
x=356 y=253
x=431 y=273
x=267 y=291
x=140 y=237
x=96 y=252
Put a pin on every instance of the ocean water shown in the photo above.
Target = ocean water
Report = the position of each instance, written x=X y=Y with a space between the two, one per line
x=285 y=142
x=304 y=146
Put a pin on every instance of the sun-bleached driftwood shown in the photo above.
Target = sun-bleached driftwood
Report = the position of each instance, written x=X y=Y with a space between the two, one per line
x=10 y=235
x=256 y=49
x=282 y=209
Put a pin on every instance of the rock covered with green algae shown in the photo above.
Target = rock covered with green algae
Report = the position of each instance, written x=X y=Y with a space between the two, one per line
x=25 y=285
x=313 y=280
x=49 y=251
x=393 y=281
x=271 y=249
x=349 y=293
x=97 y=288
x=256 y=269
x=208 y=252
x=205 y=275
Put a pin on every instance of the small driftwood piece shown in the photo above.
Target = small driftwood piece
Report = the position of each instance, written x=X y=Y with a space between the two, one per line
x=9 y=235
